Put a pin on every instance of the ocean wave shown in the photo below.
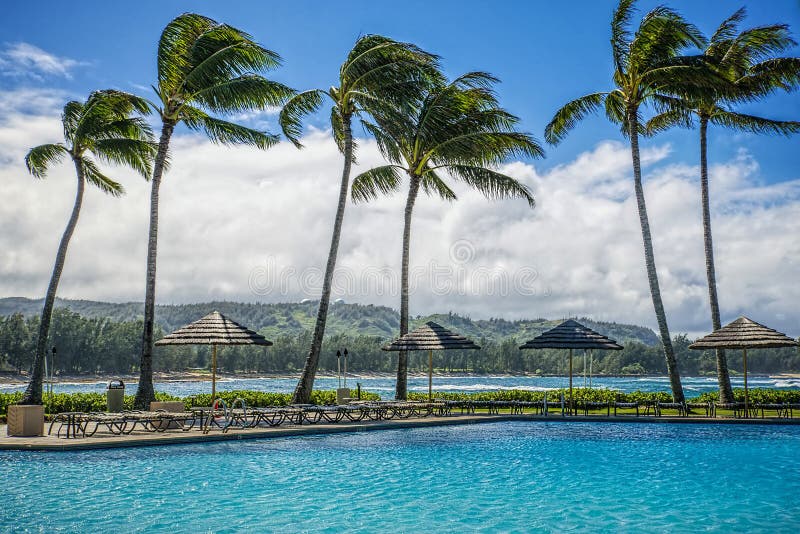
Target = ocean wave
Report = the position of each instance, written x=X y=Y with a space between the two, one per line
x=788 y=383
x=482 y=387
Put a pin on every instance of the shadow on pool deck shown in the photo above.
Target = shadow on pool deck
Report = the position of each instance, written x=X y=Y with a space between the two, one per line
x=106 y=441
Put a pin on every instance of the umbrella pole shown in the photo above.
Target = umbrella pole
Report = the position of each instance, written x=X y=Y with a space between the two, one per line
x=744 y=364
x=213 y=373
x=570 y=381
x=430 y=375
x=584 y=367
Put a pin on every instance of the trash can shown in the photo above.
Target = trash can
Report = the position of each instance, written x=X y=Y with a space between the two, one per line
x=115 y=395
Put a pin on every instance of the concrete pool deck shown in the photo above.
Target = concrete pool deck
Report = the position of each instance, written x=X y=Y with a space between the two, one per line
x=143 y=439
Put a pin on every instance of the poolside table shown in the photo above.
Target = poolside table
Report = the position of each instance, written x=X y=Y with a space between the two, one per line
x=70 y=422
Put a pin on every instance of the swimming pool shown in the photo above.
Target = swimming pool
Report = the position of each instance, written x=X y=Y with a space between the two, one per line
x=510 y=476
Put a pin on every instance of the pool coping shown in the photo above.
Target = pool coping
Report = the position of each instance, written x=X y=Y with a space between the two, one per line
x=53 y=444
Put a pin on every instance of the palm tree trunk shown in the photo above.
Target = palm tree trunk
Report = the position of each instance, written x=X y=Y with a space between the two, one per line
x=650 y=261
x=725 y=391
x=33 y=393
x=401 y=389
x=302 y=392
x=145 y=393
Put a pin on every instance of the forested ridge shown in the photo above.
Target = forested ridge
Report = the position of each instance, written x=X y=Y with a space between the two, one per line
x=98 y=337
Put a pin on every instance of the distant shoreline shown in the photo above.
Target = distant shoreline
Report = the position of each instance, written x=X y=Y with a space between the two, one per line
x=12 y=379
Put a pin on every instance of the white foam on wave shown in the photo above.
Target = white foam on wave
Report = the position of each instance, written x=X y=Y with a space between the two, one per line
x=788 y=383
x=484 y=387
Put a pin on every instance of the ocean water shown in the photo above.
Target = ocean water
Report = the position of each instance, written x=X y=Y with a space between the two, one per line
x=498 y=477
x=384 y=386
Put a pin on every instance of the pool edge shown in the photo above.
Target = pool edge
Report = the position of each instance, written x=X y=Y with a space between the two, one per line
x=113 y=442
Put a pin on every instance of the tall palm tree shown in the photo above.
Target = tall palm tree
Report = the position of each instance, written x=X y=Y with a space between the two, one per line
x=458 y=131
x=378 y=73
x=746 y=60
x=104 y=128
x=644 y=64
x=203 y=67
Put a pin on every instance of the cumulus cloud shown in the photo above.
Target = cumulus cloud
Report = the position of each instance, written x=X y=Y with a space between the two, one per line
x=24 y=60
x=242 y=224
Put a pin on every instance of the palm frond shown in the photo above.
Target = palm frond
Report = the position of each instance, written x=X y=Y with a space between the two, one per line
x=388 y=145
x=475 y=80
x=224 y=132
x=105 y=184
x=762 y=42
x=620 y=33
x=123 y=102
x=687 y=81
x=662 y=35
x=297 y=107
x=492 y=184
x=782 y=72
x=337 y=126
x=134 y=153
x=223 y=52
x=174 y=48
x=614 y=104
x=373 y=53
x=677 y=117
x=372 y=183
x=108 y=114
x=727 y=29
x=70 y=118
x=432 y=184
x=244 y=93
x=484 y=148
x=568 y=116
x=753 y=124
x=40 y=158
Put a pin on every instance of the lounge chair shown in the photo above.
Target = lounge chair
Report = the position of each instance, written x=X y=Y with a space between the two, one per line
x=626 y=406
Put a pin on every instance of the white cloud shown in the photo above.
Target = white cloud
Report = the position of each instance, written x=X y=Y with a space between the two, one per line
x=240 y=224
x=28 y=61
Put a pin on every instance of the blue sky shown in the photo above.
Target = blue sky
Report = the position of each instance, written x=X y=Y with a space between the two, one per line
x=545 y=53
x=241 y=224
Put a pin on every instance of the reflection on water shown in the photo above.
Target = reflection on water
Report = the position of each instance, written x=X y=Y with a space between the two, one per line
x=384 y=386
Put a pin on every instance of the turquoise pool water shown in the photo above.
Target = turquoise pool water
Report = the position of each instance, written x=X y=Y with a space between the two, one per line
x=509 y=477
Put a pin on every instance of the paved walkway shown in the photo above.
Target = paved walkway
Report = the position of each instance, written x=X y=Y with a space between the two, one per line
x=106 y=440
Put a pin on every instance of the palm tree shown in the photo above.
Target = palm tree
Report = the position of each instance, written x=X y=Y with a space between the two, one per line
x=745 y=60
x=103 y=127
x=644 y=64
x=457 y=131
x=203 y=67
x=378 y=73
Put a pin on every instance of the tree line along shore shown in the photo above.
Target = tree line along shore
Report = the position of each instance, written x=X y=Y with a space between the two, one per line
x=101 y=346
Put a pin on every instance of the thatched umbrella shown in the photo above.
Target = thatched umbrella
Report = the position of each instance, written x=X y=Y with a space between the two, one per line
x=571 y=335
x=214 y=329
x=430 y=336
x=744 y=333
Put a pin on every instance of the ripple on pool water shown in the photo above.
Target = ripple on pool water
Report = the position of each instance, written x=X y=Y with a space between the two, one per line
x=516 y=476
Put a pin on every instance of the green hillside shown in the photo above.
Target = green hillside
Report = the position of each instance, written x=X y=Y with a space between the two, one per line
x=289 y=318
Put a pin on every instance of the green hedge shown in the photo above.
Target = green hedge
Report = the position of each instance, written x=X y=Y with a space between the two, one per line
x=606 y=395
x=96 y=402
x=579 y=394
x=263 y=398
x=759 y=396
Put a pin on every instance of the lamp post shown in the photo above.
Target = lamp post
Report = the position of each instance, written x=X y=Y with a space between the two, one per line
x=339 y=367
x=345 y=367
